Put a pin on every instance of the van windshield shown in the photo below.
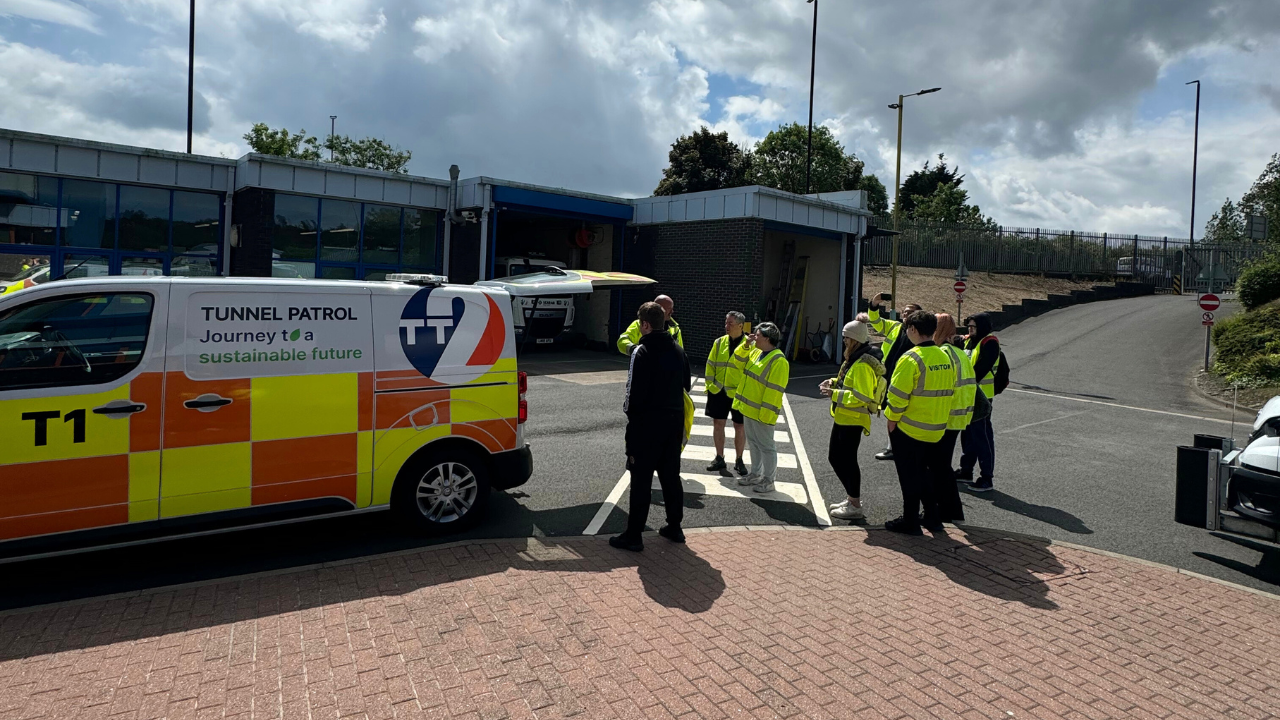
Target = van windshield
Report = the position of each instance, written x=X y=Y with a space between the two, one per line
x=525 y=268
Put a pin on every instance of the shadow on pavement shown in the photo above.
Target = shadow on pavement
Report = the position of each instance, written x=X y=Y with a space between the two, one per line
x=1044 y=513
x=675 y=576
x=1014 y=570
x=1267 y=570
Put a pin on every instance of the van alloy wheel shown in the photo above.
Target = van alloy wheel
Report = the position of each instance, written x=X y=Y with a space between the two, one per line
x=447 y=492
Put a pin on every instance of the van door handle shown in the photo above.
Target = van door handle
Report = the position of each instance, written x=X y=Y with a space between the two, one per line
x=208 y=402
x=119 y=407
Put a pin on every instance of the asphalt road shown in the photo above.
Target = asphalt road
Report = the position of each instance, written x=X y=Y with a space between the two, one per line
x=1085 y=453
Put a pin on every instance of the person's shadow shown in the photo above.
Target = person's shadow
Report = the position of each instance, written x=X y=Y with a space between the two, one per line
x=675 y=576
x=1043 y=513
x=1006 y=568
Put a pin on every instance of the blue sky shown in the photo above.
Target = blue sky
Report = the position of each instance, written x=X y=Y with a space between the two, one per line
x=1062 y=113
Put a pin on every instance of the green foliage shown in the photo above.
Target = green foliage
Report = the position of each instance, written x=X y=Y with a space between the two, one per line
x=369 y=153
x=265 y=141
x=1264 y=197
x=877 y=195
x=1259 y=281
x=779 y=161
x=924 y=182
x=1249 y=347
x=1226 y=225
x=702 y=161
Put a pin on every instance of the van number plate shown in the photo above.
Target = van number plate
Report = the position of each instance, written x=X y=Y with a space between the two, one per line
x=545 y=341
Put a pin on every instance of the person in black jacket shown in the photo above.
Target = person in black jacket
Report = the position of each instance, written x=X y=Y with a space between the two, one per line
x=657 y=380
x=977 y=442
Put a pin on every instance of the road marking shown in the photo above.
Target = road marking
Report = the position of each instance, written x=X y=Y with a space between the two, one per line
x=706 y=452
x=603 y=377
x=699 y=484
x=709 y=431
x=699 y=399
x=1118 y=405
x=815 y=494
x=610 y=503
x=1041 y=422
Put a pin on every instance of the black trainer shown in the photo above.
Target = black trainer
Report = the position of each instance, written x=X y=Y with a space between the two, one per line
x=719 y=464
x=884 y=455
x=901 y=525
x=672 y=533
x=933 y=525
x=963 y=475
x=982 y=485
x=740 y=467
x=622 y=542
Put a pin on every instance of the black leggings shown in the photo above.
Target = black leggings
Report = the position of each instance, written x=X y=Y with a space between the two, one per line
x=842 y=453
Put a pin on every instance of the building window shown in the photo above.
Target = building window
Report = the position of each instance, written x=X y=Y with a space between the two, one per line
x=381 y=235
x=196 y=227
x=90 y=210
x=28 y=210
x=420 y=239
x=293 y=241
x=339 y=231
x=144 y=219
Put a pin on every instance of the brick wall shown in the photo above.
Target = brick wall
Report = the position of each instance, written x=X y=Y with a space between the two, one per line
x=253 y=210
x=708 y=268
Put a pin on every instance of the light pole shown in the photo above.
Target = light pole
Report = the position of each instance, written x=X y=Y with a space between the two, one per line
x=333 y=124
x=813 y=59
x=191 y=73
x=897 y=190
x=1195 y=154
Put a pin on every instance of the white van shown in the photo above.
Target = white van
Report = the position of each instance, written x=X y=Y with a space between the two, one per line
x=131 y=405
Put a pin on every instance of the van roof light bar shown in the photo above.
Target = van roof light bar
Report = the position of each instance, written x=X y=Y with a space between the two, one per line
x=424 y=279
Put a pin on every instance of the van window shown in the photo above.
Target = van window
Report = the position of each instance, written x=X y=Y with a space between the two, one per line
x=76 y=340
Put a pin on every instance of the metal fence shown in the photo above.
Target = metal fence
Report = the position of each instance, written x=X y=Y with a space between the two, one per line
x=1161 y=261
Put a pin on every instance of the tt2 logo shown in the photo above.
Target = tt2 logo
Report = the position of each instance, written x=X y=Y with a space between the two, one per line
x=451 y=332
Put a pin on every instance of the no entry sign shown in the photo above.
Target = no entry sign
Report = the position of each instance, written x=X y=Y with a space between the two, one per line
x=961 y=286
x=1209 y=302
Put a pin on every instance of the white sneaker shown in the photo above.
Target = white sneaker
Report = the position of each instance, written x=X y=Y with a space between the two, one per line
x=748 y=481
x=765 y=488
x=836 y=506
x=848 y=512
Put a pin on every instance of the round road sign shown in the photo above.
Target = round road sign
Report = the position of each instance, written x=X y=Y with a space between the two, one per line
x=1209 y=302
x=960 y=286
x=1206 y=316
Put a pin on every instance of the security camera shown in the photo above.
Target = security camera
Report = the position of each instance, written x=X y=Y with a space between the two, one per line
x=469 y=215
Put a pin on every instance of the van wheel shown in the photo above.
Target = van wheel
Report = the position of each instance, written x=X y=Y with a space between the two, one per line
x=443 y=491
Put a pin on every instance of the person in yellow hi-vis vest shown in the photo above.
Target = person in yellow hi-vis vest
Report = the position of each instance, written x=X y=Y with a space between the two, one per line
x=856 y=393
x=722 y=385
x=765 y=373
x=919 y=406
x=950 y=508
x=629 y=339
x=895 y=343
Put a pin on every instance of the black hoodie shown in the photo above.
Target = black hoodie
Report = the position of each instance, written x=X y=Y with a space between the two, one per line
x=657 y=380
x=990 y=349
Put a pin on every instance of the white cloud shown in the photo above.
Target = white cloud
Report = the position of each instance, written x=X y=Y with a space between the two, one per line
x=53 y=11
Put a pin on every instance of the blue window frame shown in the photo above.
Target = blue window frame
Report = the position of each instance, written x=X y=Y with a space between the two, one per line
x=348 y=240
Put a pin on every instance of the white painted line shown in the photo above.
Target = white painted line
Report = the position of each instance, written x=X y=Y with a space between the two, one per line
x=811 y=482
x=709 y=431
x=610 y=503
x=706 y=452
x=1118 y=405
x=699 y=399
x=698 y=484
x=1042 y=422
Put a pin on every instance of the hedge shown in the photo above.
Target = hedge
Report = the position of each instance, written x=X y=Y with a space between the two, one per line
x=1249 y=347
x=1259 y=281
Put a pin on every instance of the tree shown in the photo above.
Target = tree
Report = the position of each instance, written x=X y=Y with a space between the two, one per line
x=877 y=195
x=265 y=141
x=950 y=204
x=369 y=153
x=779 y=161
x=1264 y=197
x=923 y=182
x=1226 y=225
x=702 y=161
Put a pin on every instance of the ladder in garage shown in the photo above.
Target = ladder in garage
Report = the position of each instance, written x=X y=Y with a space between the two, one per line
x=782 y=290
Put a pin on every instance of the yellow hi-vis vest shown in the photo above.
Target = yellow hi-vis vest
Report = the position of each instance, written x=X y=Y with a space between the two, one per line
x=630 y=338
x=764 y=379
x=888 y=328
x=966 y=389
x=721 y=373
x=921 y=393
x=859 y=393
x=988 y=382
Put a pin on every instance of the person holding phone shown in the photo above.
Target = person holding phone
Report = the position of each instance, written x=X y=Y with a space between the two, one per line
x=765 y=373
x=895 y=343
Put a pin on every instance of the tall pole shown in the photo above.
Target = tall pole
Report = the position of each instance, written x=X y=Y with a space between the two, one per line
x=191 y=73
x=333 y=125
x=897 y=190
x=813 y=59
x=1195 y=155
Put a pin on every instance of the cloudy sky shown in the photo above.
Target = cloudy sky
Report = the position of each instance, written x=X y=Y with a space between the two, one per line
x=1069 y=114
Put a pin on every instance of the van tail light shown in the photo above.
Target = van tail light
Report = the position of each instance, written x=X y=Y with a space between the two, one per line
x=523 y=405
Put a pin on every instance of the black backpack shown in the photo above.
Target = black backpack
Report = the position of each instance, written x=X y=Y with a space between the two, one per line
x=1001 y=379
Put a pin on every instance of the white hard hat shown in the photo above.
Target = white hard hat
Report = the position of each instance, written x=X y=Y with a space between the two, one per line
x=856 y=330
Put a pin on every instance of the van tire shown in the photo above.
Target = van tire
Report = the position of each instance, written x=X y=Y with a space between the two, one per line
x=429 y=502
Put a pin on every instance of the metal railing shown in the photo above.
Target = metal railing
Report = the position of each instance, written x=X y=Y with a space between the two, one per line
x=1145 y=258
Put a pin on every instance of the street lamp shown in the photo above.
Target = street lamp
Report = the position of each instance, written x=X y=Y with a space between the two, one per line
x=191 y=73
x=333 y=124
x=1195 y=153
x=897 y=190
x=813 y=58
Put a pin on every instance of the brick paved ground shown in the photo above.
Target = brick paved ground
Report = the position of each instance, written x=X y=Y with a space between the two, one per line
x=763 y=623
